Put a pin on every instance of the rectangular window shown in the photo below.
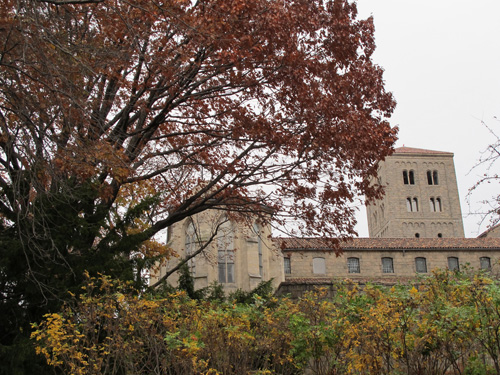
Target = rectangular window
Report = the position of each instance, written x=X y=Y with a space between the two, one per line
x=288 y=265
x=230 y=272
x=225 y=254
x=421 y=265
x=319 y=266
x=226 y=266
x=453 y=264
x=222 y=272
x=353 y=265
x=485 y=263
x=387 y=265
x=261 y=265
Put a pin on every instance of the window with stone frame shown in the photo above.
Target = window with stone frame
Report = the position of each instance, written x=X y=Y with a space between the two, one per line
x=485 y=263
x=225 y=253
x=288 y=265
x=421 y=265
x=453 y=264
x=319 y=266
x=353 y=265
x=387 y=265
x=257 y=233
x=191 y=242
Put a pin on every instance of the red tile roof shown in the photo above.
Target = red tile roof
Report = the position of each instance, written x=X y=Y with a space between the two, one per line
x=302 y=244
x=485 y=233
x=413 y=150
x=321 y=281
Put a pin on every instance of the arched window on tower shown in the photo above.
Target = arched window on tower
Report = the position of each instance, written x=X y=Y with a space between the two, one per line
x=411 y=176
x=439 y=207
x=435 y=204
x=435 y=177
x=432 y=177
x=405 y=177
x=415 y=205
x=412 y=204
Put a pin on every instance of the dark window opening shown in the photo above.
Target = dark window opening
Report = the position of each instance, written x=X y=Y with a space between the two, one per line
x=353 y=265
x=485 y=263
x=405 y=177
x=440 y=235
x=432 y=177
x=417 y=235
x=412 y=178
x=421 y=265
x=429 y=177
x=288 y=266
x=453 y=264
x=387 y=265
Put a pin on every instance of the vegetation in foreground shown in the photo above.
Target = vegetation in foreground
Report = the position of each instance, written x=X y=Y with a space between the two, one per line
x=447 y=323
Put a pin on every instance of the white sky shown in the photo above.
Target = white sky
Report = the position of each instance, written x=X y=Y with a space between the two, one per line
x=442 y=63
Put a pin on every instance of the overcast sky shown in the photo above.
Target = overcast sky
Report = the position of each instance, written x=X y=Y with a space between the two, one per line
x=442 y=63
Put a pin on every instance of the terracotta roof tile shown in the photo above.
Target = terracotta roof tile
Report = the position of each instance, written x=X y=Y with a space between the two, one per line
x=361 y=280
x=304 y=244
x=485 y=233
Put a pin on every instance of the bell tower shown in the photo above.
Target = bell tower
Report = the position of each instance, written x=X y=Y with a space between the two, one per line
x=421 y=196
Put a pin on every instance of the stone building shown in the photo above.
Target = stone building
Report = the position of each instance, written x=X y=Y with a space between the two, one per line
x=421 y=197
x=382 y=260
x=236 y=254
x=415 y=228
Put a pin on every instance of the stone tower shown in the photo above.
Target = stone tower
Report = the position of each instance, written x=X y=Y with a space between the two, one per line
x=421 y=196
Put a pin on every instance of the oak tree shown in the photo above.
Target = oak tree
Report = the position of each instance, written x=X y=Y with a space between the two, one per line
x=120 y=118
x=488 y=178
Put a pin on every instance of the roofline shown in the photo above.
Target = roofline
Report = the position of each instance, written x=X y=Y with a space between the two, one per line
x=389 y=244
x=388 y=249
x=419 y=152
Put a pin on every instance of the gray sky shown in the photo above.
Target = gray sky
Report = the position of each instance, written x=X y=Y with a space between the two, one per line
x=442 y=63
